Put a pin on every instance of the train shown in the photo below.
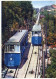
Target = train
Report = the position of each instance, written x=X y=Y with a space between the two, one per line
x=36 y=35
x=15 y=48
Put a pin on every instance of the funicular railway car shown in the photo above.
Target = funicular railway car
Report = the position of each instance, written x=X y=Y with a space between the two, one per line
x=15 y=48
x=36 y=35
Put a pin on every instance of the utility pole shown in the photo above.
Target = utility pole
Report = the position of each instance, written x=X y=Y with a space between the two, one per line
x=46 y=38
x=43 y=51
x=43 y=63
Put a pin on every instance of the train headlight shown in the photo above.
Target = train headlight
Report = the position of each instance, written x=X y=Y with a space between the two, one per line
x=10 y=58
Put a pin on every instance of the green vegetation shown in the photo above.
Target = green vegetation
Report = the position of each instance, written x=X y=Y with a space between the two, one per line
x=53 y=12
x=50 y=71
x=49 y=27
x=15 y=14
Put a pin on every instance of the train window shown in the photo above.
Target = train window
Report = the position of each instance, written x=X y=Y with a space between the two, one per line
x=17 y=48
x=35 y=32
x=11 y=47
x=32 y=33
x=6 y=48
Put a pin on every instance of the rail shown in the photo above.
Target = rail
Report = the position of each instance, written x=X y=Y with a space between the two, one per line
x=29 y=63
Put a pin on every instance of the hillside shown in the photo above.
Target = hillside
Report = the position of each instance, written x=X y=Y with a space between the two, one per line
x=49 y=8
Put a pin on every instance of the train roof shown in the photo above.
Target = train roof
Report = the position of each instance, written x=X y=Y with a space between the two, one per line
x=16 y=38
x=36 y=27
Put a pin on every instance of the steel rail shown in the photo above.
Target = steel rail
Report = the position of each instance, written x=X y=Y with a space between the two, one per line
x=29 y=62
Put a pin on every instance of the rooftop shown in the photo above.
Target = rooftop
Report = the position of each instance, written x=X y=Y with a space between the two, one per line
x=17 y=37
x=36 y=27
x=54 y=6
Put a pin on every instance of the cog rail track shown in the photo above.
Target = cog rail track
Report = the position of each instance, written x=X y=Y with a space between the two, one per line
x=38 y=65
x=31 y=71
x=29 y=63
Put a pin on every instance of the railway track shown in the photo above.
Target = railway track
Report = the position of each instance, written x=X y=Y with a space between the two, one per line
x=16 y=73
x=38 y=66
x=36 y=72
x=34 y=66
x=39 y=63
x=29 y=63
x=4 y=72
x=32 y=69
x=10 y=73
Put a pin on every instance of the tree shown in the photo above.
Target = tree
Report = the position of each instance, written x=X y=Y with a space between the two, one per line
x=49 y=22
x=14 y=13
x=50 y=71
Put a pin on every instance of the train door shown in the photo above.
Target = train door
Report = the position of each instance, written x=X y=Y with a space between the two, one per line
x=8 y=55
x=11 y=56
x=17 y=55
x=11 y=60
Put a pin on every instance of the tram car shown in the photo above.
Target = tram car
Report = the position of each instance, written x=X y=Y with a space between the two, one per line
x=15 y=48
x=36 y=35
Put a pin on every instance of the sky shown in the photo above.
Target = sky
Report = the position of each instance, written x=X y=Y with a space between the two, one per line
x=39 y=4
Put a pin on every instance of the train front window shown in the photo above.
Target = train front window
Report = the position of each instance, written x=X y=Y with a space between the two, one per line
x=6 y=48
x=11 y=47
x=35 y=32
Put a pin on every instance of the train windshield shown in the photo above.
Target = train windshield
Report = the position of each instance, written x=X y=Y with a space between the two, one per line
x=9 y=48
x=35 y=32
x=12 y=48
